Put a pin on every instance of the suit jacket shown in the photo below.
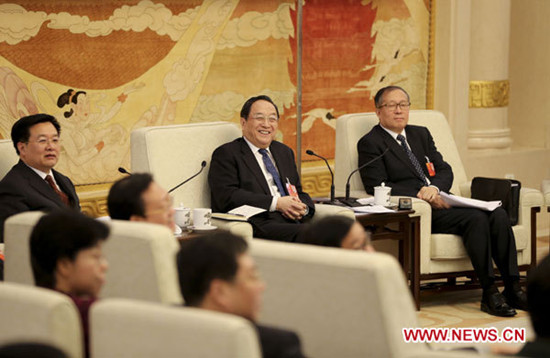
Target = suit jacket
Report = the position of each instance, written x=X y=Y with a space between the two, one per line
x=395 y=168
x=235 y=178
x=539 y=348
x=279 y=343
x=24 y=190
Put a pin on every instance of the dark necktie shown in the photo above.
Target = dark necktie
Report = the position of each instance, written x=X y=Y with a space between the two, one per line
x=64 y=198
x=273 y=171
x=413 y=159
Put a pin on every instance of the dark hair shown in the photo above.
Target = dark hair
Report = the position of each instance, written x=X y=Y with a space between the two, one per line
x=381 y=91
x=245 y=111
x=125 y=196
x=203 y=259
x=68 y=97
x=31 y=349
x=20 y=131
x=538 y=296
x=58 y=235
x=329 y=231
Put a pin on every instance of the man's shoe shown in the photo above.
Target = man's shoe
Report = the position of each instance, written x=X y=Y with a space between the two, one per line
x=495 y=304
x=516 y=298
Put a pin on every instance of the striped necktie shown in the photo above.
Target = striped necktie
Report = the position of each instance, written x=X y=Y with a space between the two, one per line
x=64 y=198
x=273 y=171
x=412 y=157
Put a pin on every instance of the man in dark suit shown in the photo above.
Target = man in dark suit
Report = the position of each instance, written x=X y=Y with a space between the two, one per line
x=33 y=184
x=413 y=167
x=256 y=170
x=217 y=273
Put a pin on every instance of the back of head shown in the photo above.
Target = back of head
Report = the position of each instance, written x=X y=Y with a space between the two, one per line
x=125 y=196
x=203 y=259
x=329 y=231
x=58 y=235
x=538 y=296
x=20 y=131
x=35 y=350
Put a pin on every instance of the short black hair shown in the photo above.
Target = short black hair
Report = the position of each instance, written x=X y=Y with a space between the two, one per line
x=329 y=231
x=125 y=196
x=204 y=259
x=381 y=91
x=58 y=235
x=538 y=296
x=245 y=111
x=20 y=131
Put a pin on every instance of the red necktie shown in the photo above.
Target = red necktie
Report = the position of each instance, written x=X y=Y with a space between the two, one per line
x=64 y=198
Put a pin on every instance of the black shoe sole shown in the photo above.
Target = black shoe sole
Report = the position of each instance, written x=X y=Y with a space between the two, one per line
x=486 y=309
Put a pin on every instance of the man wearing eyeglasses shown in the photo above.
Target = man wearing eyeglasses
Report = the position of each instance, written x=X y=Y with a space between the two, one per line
x=33 y=184
x=414 y=167
x=259 y=171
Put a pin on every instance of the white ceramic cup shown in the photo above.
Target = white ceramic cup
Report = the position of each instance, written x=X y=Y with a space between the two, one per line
x=382 y=195
x=182 y=217
x=201 y=218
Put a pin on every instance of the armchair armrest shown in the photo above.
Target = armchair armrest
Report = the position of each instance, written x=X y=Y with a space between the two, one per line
x=324 y=210
x=466 y=189
x=239 y=228
x=546 y=191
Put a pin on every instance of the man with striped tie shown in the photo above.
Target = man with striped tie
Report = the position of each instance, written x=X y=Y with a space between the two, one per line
x=259 y=171
x=414 y=167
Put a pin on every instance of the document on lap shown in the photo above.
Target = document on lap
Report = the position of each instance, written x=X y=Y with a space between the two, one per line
x=242 y=213
x=459 y=201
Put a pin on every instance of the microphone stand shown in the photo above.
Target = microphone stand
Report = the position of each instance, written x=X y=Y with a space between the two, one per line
x=203 y=164
x=310 y=152
x=353 y=201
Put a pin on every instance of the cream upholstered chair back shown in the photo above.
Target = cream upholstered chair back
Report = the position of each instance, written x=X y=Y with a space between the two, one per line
x=351 y=127
x=142 y=262
x=8 y=156
x=17 y=234
x=127 y=328
x=174 y=153
x=342 y=303
x=34 y=314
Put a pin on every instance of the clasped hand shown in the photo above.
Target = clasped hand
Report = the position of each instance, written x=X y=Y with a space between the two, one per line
x=291 y=208
x=431 y=195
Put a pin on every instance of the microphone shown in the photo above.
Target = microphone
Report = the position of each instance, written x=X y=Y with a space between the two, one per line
x=124 y=171
x=203 y=164
x=310 y=152
x=353 y=201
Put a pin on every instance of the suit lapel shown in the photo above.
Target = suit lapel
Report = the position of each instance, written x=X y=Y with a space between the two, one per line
x=397 y=150
x=64 y=186
x=279 y=161
x=40 y=185
x=252 y=164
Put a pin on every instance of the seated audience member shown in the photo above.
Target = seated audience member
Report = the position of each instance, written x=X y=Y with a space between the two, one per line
x=66 y=256
x=412 y=166
x=138 y=197
x=338 y=231
x=254 y=170
x=33 y=184
x=538 y=296
x=217 y=273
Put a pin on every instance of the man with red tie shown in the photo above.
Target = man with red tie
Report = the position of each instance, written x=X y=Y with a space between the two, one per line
x=32 y=184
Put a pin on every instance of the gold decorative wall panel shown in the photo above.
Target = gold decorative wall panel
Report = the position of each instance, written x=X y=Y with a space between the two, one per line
x=489 y=94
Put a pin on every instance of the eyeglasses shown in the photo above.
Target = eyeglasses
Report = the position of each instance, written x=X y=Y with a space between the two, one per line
x=262 y=118
x=45 y=141
x=393 y=106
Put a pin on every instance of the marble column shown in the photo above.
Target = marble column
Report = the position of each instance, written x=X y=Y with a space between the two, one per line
x=489 y=85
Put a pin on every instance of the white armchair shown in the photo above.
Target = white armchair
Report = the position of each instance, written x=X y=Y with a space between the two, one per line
x=8 y=158
x=34 y=314
x=133 y=329
x=441 y=255
x=173 y=153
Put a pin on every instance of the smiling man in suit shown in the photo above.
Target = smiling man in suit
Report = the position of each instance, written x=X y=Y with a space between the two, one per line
x=414 y=167
x=33 y=184
x=255 y=169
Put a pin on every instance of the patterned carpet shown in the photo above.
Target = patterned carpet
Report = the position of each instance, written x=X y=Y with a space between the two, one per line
x=462 y=309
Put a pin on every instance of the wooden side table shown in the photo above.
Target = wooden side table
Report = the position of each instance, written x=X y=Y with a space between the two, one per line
x=407 y=233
